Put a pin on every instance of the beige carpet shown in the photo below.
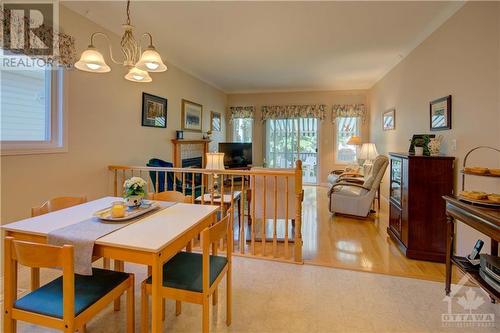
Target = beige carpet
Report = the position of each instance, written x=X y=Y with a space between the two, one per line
x=277 y=297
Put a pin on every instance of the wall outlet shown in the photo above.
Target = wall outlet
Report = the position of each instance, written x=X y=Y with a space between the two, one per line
x=454 y=145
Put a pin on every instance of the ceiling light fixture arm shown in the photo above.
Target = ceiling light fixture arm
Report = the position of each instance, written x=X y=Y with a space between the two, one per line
x=147 y=34
x=98 y=33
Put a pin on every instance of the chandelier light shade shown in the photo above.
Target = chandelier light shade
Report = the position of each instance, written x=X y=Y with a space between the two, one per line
x=138 y=64
x=137 y=75
x=92 y=61
x=151 y=61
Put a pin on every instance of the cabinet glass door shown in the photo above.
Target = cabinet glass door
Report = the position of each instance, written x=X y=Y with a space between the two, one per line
x=396 y=170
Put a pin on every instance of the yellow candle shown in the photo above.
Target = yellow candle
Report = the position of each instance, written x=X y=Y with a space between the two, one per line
x=118 y=210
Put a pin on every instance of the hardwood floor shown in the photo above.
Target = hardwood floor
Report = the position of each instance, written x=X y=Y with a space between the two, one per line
x=357 y=244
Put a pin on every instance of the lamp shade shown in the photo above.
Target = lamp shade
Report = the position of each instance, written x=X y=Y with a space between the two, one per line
x=354 y=140
x=150 y=61
x=215 y=161
x=92 y=60
x=137 y=75
x=368 y=152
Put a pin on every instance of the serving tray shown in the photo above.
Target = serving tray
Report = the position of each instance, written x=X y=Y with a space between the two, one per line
x=486 y=203
x=130 y=213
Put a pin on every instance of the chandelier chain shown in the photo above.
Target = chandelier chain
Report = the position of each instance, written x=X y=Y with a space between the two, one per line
x=128 y=12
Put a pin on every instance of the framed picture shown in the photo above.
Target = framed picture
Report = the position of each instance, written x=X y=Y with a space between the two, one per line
x=216 y=121
x=389 y=120
x=440 y=114
x=192 y=116
x=154 y=111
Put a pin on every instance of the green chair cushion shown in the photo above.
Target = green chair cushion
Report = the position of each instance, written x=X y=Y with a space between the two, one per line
x=48 y=299
x=184 y=271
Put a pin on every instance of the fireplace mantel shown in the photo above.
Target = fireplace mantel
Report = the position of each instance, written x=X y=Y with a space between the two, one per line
x=178 y=143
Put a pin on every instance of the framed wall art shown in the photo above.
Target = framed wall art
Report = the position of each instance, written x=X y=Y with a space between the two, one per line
x=440 y=114
x=154 y=111
x=216 y=121
x=389 y=120
x=192 y=116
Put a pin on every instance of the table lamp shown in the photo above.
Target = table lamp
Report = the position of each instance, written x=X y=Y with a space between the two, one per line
x=368 y=153
x=215 y=161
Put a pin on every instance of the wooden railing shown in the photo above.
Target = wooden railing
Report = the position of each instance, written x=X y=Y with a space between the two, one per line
x=268 y=202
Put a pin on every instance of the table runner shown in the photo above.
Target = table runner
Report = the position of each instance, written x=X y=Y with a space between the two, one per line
x=82 y=236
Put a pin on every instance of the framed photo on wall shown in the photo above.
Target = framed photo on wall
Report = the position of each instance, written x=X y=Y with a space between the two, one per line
x=154 y=111
x=389 y=120
x=215 y=121
x=192 y=116
x=440 y=114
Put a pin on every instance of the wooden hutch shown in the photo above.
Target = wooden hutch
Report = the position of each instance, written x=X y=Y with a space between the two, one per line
x=417 y=218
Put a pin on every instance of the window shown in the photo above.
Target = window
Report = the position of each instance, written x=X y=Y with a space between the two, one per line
x=242 y=130
x=346 y=127
x=288 y=140
x=31 y=119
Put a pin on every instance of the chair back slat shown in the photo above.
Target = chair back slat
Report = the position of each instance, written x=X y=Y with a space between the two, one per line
x=219 y=230
x=55 y=204
x=39 y=255
x=173 y=196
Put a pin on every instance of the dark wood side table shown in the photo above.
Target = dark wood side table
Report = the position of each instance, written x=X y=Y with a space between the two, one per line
x=484 y=220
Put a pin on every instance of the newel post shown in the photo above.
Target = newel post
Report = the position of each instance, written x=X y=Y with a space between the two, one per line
x=298 y=211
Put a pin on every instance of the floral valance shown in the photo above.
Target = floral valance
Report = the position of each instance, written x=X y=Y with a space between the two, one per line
x=238 y=112
x=293 y=111
x=349 y=110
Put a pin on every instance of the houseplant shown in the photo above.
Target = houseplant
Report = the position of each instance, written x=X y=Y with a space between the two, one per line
x=135 y=190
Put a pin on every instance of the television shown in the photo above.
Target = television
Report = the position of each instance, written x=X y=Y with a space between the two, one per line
x=236 y=155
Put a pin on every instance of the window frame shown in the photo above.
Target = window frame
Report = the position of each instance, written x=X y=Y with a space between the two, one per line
x=57 y=140
x=336 y=141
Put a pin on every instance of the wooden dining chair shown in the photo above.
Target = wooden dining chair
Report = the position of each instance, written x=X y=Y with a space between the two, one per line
x=55 y=204
x=66 y=303
x=172 y=196
x=193 y=277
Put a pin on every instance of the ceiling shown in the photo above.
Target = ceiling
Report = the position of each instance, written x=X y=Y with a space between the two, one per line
x=279 y=46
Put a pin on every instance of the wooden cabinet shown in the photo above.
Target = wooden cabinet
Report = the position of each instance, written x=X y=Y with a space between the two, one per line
x=417 y=219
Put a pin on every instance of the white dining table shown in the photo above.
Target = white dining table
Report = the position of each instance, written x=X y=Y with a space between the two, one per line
x=150 y=241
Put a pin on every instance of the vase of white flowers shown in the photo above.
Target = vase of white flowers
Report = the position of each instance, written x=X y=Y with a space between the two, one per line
x=135 y=190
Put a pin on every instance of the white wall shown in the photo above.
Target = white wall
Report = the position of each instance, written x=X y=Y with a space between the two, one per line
x=461 y=58
x=104 y=112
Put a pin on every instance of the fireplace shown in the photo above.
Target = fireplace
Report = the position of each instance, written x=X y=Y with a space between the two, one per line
x=193 y=162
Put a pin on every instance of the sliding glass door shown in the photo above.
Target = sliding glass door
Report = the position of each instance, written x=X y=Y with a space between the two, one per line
x=288 y=140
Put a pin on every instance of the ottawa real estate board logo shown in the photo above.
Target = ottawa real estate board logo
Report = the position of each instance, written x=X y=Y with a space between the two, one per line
x=467 y=307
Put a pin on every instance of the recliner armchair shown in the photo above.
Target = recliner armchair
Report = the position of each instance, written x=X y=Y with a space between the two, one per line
x=356 y=199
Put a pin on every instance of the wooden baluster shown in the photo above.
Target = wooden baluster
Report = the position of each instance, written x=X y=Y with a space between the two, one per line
x=275 y=238
x=183 y=183
x=263 y=224
x=222 y=210
x=212 y=191
x=193 y=188
x=298 y=212
x=149 y=182
x=156 y=183
x=124 y=177
x=232 y=206
x=241 y=216
x=252 y=227
x=202 y=189
x=115 y=180
x=286 y=217
x=165 y=182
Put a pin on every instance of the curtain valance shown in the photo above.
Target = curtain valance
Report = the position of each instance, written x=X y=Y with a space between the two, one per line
x=238 y=112
x=349 y=110
x=293 y=111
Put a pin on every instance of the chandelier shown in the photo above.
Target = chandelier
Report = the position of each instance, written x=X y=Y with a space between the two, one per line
x=139 y=65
